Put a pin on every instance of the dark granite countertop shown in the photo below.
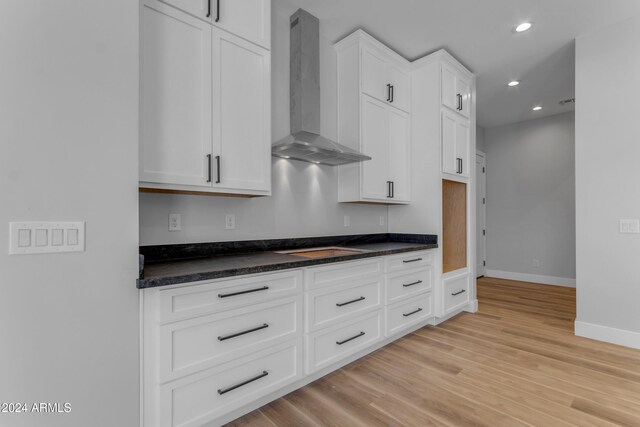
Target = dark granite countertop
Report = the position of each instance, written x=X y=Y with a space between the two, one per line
x=175 y=264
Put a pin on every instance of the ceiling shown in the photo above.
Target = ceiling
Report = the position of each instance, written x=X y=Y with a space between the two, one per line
x=479 y=34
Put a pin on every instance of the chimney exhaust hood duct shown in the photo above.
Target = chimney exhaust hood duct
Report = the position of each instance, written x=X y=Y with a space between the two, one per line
x=305 y=142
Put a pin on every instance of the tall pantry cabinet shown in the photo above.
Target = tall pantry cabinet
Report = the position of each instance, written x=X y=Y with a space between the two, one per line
x=444 y=118
x=205 y=73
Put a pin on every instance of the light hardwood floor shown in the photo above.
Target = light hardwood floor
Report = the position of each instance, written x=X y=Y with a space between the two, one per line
x=515 y=362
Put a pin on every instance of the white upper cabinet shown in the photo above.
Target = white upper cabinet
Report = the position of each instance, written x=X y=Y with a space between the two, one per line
x=455 y=144
x=374 y=95
x=206 y=107
x=242 y=88
x=384 y=79
x=456 y=90
x=249 y=19
x=375 y=143
x=400 y=155
x=176 y=98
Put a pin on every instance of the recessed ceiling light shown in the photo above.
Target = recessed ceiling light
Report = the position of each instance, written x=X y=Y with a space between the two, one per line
x=523 y=27
x=513 y=83
x=537 y=108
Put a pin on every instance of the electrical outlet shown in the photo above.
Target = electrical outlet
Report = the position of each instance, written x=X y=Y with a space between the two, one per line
x=629 y=226
x=536 y=263
x=381 y=221
x=347 y=221
x=175 y=222
x=230 y=222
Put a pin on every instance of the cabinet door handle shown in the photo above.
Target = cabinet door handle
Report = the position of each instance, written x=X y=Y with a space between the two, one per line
x=412 y=284
x=218 y=169
x=413 y=312
x=388 y=92
x=392 y=89
x=461 y=291
x=208 y=167
x=342 y=304
x=217 y=10
x=406 y=261
x=349 y=339
x=208 y=8
x=250 y=380
x=393 y=189
x=248 y=331
x=458 y=165
x=388 y=189
x=233 y=294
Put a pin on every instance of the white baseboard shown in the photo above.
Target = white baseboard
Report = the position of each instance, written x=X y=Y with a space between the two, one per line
x=472 y=307
x=608 y=334
x=533 y=278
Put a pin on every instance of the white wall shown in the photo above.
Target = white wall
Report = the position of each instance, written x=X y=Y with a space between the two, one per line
x=304 y=195
x=531 y=199
x=607 y=182
x=480 y=138
x=68 y=151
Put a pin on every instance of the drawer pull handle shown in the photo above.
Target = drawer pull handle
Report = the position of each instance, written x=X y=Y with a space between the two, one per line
x=250 y=380
x=248 y=331
x=349 y=339
x=411 y=284
x=342 y=304
x=264 y=288
x=411 y=260
x=461 y=291
x=413 y=312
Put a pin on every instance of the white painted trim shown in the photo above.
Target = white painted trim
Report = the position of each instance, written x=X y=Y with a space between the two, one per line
x=608 y=334
x=533 y=278
x=472 y=307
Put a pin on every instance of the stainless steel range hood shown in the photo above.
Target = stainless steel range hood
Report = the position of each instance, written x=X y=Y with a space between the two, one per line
x=305 y=142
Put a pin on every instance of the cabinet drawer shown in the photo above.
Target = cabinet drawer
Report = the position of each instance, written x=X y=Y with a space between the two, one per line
x=407 y=313
x=456 y=293
x=197 y=300
x=328 y=305
x=408 y=261
x=401 y=286
x=188 y=346
x=344 y=272
x=337 y=342
x=201 y=398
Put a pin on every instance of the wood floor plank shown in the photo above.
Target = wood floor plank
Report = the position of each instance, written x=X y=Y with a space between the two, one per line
x=515 y=362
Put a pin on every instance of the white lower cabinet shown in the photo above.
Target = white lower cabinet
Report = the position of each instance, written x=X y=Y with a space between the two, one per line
x=212 y=350
x=455 y=292
x=198 y=399
x=335 y=343
x=404 y=314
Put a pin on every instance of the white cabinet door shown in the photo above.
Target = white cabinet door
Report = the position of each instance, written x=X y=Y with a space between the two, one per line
x=400 y=81
x=462 y=146
x=463 y=87
x=448 y=87
x=455 y=90
x=455 y=144
x=249 y=19
x=375 y=80
x=399 y=155
x=176 y=97
x=449 y=153
x=199 y=8
x=242 y=125
x=375 y=143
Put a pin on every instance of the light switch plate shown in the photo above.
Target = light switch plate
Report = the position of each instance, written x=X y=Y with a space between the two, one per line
x=630 y=226
x=46 y=237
